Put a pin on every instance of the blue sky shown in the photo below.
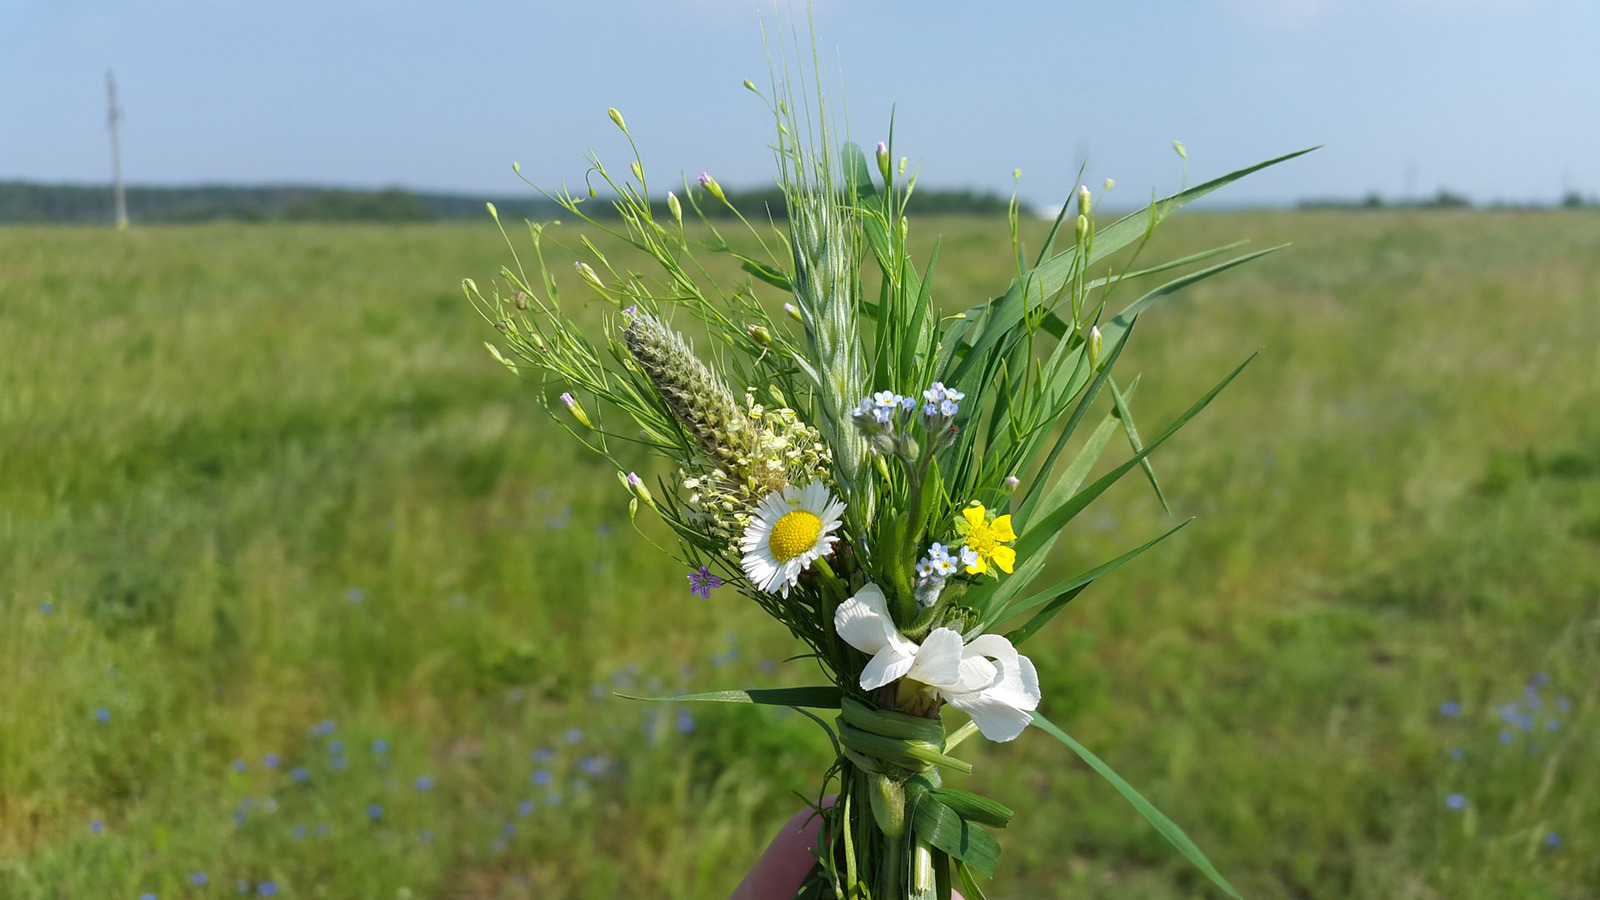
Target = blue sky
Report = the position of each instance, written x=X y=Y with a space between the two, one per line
x=1498 y=99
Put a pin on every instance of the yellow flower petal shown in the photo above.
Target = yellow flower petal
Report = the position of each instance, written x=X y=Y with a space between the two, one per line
x=1005 y=557
x=1002 y=529
x=974 y=514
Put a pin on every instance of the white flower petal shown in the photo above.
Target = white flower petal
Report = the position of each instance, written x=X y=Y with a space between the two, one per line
x=863 y=620
x=938 y=662
x=892 y=662
x=996 y=719
x=977 y=673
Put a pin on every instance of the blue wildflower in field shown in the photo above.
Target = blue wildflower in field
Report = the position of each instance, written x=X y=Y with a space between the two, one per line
x=543 y=755
x=1553 y=725
x=199 y=879
x=1552 y=840
x=266 y=889
x=1450 y=708
x=685 y=722
x=355 y=595
x=1507 y=737
x=299 y=832
x=1456 y=753
x=380 y=746
x=147 y=897
x=1540 y=679
x=47 y=607
x=336 y=747
x=374 y=811
x=239 y=765
x=270 y=761
x=323 y=728
x=338 y=762
x=1563 y=705
x=426 y=835
x=102 y=714
x=96 y=827
x=300 y=774
x=542 y=778
x=574 y=735
x=1455 y=801
x=525 y=808
x=424 y=782
x=508 y=830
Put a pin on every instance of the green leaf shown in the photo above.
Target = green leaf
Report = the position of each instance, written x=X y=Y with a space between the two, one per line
x=1059 y=595
x=1166 y=826
x=940 y=826
x=969 y=885
x=973 y=807
x=765 y=273
x=1132 y=431
x=1050 y=521
x=817 y=697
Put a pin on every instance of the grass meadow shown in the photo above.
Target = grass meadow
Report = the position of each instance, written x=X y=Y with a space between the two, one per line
x=302 y=595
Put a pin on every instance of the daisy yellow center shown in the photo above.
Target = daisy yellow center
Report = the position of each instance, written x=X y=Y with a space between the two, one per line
x=794 y=534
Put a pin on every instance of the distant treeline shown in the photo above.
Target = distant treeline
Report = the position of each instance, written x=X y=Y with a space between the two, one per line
x=1444 y=199
x=23 y=202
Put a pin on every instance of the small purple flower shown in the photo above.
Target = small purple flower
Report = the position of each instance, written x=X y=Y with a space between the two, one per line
x=574 y=735
x=102 y=715
x=1455 y=801
x=96 y=827
x=380 y=746
x=702 y=582
x=300 y=774
x=339 y=762
x=1450 y=709
x=704 y=179
x=336 y=747
x=1552 y=840
x=147 y=896
x=47 y=607
x=299 y=832
x=1507 y=737
x=239 y=765
x=525 y=808
x=1553 y=725
x=199 y=879
x=374 y=811
x=267 y=889
x=424 y=782
x=270 y=761
x=1540 y=679
x=685 y=722
x=1563 y=704
x=541 y=778
x=1456 y=753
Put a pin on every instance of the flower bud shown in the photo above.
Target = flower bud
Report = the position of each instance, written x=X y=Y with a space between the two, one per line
x=572 y=406
x=793 y=311
x=759 y=334
x=883 y=159
x=674 y=207
x=903 y=162
x=1011 y=483
x=638 y=170
x=711 y=186
x=522 y=300
x=904 y=226
x=498 y=357
x=1110 y=183
x=589 y=275
x=1094 y=346
x=493 y=213
x=636 y=487
x=749 y=85
x=1182 y=153
x=1083 y=200
x=1082 y=227
x=617 y=118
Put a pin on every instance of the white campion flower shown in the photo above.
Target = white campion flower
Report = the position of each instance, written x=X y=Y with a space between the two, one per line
x=986 y=679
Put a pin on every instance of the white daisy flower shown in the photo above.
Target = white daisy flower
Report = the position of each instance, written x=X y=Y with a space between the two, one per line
x=788 y=530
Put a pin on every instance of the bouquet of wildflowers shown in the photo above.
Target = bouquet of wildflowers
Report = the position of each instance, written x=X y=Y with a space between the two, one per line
x=881 y=473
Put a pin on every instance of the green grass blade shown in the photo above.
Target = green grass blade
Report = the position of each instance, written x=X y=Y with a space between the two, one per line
x=1166 y=826
x=940 y=826
x=1125 y=319
x=1059 y=595
x=817 y=697
x=1125 y=416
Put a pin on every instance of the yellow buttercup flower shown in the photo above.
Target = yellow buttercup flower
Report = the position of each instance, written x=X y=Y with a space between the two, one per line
x=984 y=537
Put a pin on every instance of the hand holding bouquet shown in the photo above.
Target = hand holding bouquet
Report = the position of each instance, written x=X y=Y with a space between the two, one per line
x=884 y=476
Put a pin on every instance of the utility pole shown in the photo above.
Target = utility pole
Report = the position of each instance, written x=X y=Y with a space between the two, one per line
x=116 y=154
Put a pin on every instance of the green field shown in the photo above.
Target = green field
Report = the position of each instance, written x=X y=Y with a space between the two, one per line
x=298 y=587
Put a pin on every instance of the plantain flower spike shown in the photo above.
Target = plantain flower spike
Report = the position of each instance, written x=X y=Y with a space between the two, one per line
x=693 y=393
